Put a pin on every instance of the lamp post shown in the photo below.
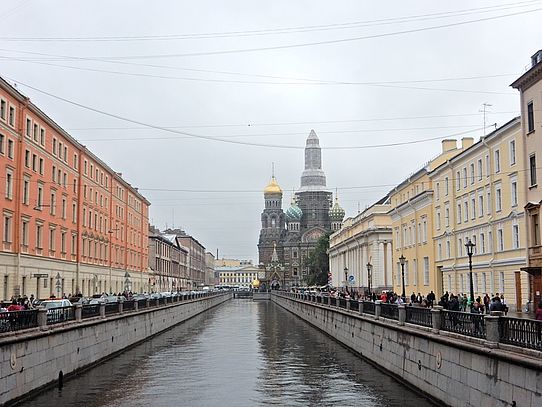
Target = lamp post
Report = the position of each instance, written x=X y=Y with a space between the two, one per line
x=345 y=278
x=369 y=276
x=402 y=260
x=470 y=249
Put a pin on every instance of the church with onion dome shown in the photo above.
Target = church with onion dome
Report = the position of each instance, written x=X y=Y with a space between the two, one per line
x=287 y=237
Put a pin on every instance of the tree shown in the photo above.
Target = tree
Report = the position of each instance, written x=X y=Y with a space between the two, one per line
x=318 y=262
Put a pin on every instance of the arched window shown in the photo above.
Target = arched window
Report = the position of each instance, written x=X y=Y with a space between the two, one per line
x=273 y=222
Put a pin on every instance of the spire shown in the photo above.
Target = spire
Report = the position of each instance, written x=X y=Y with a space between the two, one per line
x=313 y=178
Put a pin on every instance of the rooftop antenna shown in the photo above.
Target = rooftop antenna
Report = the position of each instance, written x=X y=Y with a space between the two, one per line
x=485 y=105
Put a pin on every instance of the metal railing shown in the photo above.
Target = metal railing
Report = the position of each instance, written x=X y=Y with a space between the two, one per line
x=419 y=316
x=464 y=323
x=128 y=305
x=342 y=303
x=354 y=305
x=526 y=333
x=333 y=301
x=389 y=311
x=60 y=314
x=90 y=311
x=111 y=308
x=17 y=320
x=369 y=307
x=142 y=303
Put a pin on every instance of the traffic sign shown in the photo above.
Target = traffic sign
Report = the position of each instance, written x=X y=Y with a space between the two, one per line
x=351 y=279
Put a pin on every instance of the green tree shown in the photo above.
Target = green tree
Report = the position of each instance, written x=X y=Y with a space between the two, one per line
x=318 y=262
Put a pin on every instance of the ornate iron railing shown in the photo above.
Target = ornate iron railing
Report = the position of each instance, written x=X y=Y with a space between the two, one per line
x=325 y=299
x=342 y=302
x=111 y=308
x=389 y=311
x=368 y=307
x=128 y=305
x=333 y=301
x=354 y=305
x=142 y=303
x=60 y=314
x=465 y=323
x=419 y=316
x=526 y=333
x=17 y=320
x=90 y=310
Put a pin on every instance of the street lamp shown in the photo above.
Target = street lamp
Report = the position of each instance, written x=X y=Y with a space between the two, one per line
x=369 y=276
x=345 y=277
x=470 y=249
x=402 y=261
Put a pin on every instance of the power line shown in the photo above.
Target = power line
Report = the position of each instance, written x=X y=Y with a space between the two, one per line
x=210 y=138
x=300 y=81
x=285 y=30
x=315 y=43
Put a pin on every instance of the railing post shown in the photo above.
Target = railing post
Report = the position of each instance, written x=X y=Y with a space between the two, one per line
x=121 y=305
x=436 y=318
x=136 y=305
x=492 y=328
x=378 y=308
x=102 y=309
x=148 y=302
x=42 y=318
x=347 y=304
x=78 y=312
x=402 y=314
x=360 y=307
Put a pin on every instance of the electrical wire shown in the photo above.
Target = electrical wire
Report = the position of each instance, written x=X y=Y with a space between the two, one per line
x=285 y=30
x=210 y=138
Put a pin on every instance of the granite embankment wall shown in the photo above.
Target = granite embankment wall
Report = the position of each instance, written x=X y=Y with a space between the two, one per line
x=33 y=359
x=452 y=369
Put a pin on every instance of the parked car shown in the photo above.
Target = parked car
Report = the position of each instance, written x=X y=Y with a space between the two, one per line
x=58 y=310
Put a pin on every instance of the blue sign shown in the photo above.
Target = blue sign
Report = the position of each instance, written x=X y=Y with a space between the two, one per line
x=351 y=279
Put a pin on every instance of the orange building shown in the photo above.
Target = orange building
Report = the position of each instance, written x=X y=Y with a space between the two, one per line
x=69 y=222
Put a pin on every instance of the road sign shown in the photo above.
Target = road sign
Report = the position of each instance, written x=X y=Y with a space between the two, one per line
x=351 y=279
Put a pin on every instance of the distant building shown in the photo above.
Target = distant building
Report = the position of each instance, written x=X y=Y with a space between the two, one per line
x=196 y=257
x=223 y=262
x=237 y=276
x=209 y=274
x=287 y=238
x=167 y=262
x=363 y=248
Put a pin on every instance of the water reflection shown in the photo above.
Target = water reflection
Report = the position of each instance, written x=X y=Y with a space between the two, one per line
x=243 y=353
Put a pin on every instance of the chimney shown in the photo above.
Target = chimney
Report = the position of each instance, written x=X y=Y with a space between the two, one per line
x=536 y=58
x=466 y=142
x=448 y=145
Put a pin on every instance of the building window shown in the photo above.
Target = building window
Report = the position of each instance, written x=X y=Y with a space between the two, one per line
x=459 y=217
x=52 y=239
x=512 y=148
x=530 y=117
x=26 y=191
x=39 y=236
x=532 y=169
x=54 y=145
x=447 y=216
x=27 y=159
x=514 y=192
x=446 y=185
x=460 y=247
x=497 y=161
x=39 y=202
x=472 y=173
x=52 y=204
x=448 y=249
x=500 y=240
x=536 y=230
x=9 y=184
x=7 y=229
x=2 y=144
x=3 y=110
x=24 y=232
x=515 y=236
x=457 y=180
x=12 y=116
x=10 y=148
x=480 y=205
x=480 y=169
x=488 y=166
x=482 y=243
x=473 y=207
x=464 y=178
x=498 y=199
x=42 y=137
x=28 y=127
x=466 y=213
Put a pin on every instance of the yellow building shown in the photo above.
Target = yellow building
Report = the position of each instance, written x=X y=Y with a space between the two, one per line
x=363 y=240
x=412 y=224
x=237 y=276
x=478 y=196
x=530 y=86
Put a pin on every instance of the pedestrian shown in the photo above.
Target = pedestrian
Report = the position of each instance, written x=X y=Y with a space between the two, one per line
x=496 y=304
x=505 y=307
x=14 y=306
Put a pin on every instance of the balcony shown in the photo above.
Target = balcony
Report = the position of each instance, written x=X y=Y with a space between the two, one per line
x=535 y=252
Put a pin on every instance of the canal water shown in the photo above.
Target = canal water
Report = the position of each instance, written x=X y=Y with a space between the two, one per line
x=242 y=353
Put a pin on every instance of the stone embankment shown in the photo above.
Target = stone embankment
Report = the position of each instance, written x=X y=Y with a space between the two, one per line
x=473 y=368
x=33 y=359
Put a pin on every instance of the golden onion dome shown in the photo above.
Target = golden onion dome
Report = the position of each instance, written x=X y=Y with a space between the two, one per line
x=273 y=187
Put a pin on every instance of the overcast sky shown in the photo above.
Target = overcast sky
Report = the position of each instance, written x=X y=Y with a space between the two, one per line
x=359 y=73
